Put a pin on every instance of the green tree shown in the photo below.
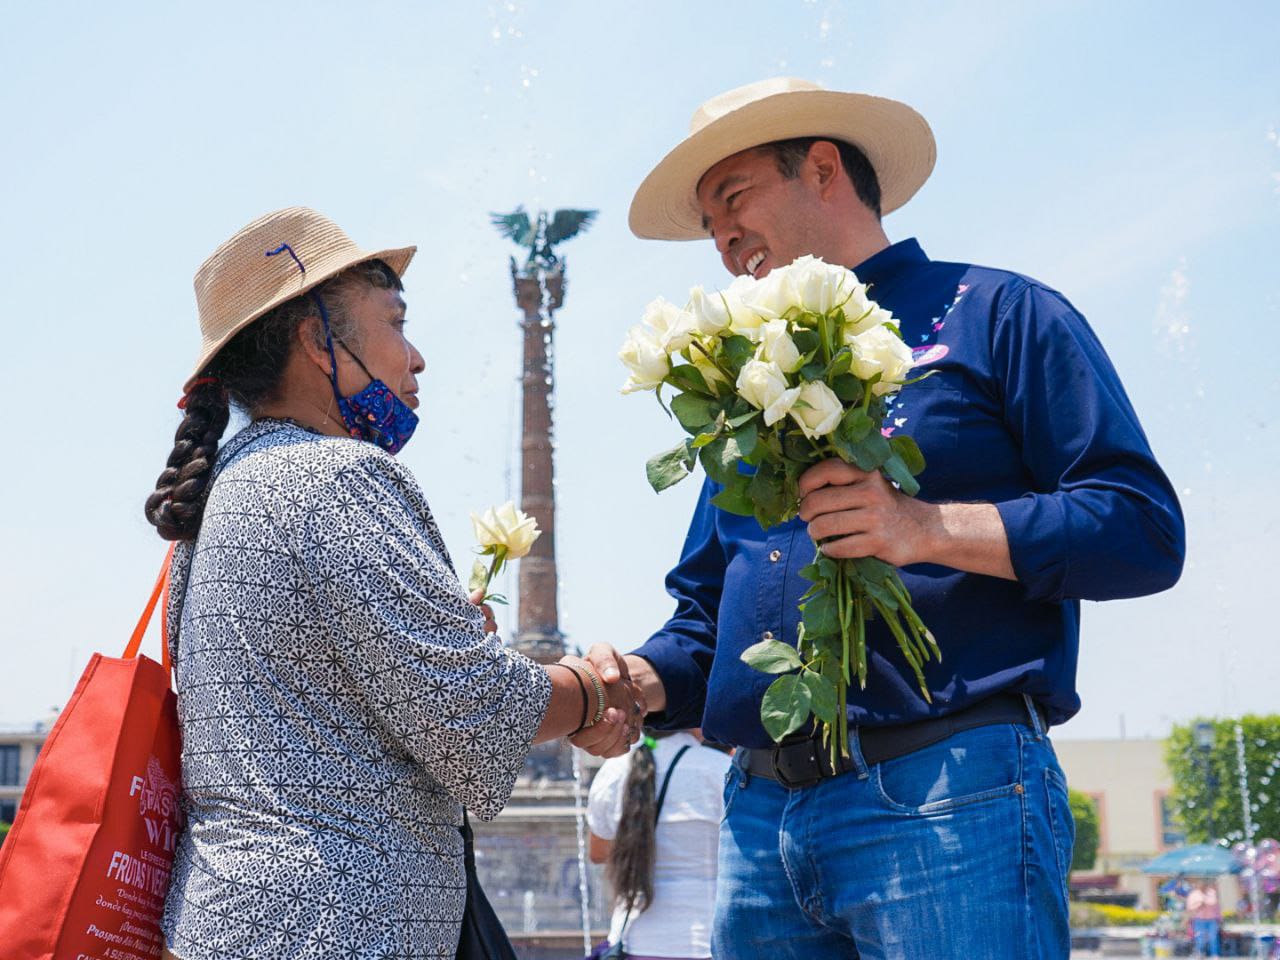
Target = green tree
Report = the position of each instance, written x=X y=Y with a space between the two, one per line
x=1085 y=812
x=1203 y=760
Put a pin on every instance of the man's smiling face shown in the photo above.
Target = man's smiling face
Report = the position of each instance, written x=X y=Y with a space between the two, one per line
x=757 y=217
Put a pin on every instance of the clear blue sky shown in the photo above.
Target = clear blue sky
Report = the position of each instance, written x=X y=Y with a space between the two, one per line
x=1124 y=153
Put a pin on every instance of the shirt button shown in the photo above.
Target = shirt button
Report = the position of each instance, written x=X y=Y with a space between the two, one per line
x=775 y=556
x=768 y=635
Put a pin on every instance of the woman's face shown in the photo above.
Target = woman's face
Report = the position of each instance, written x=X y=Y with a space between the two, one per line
x=381 y=344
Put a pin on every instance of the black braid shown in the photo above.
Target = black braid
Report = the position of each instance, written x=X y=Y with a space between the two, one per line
x=247 y=372
x=176 y=506
x=634 y=850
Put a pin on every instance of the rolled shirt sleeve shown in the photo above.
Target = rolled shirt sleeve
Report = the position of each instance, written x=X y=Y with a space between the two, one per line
x=463 y=706
x=681 y=652
x=1102 y=521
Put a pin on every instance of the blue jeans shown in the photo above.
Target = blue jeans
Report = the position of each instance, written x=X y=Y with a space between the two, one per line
x=1206 y=933
x=959 y=850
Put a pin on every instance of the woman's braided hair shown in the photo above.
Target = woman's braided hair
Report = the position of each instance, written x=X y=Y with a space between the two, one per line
x=246 y=372
x=634 y=851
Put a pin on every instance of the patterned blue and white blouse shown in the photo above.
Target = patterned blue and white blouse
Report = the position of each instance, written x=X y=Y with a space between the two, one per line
x=338 y=701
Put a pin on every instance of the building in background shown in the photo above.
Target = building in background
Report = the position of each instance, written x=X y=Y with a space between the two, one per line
x=1130 y=784
x=18 y=751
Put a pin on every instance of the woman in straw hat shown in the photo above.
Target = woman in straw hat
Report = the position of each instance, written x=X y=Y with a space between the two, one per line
x=340 y=698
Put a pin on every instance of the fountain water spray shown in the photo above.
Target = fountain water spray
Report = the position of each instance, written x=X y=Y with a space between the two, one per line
x=1246 y=802
x=580 y=817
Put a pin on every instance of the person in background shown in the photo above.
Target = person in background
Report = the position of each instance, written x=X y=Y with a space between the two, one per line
x=661 y=865
x=1205 y=913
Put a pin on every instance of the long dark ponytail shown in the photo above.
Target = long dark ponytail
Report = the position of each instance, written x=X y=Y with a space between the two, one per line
x=634 y=850
x=245 y=373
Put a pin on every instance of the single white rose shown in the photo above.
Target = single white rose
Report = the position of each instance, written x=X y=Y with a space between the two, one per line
x=644 y=356
x=821 y=286
x=710 y=311
x=817 y=410
x=881 y=351
x=505 y=527
x=763 y=384
x=771 y=296
x=862 y=316
x=672 y=327
x=744 y=320
x=777 y=346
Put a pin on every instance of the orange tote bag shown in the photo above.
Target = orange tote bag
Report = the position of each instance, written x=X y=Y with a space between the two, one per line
x=85 y=868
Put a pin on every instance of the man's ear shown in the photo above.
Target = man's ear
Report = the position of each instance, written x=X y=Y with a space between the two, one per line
x=310 y=340
x=823 y=166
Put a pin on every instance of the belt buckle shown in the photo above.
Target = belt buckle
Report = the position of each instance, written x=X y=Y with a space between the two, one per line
x=785 y=780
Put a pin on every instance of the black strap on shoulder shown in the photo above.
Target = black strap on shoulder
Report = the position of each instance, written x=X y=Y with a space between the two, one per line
x=662 y=795
x=666 y=781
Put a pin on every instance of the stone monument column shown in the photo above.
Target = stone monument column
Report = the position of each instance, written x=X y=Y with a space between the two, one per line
x=538 y=632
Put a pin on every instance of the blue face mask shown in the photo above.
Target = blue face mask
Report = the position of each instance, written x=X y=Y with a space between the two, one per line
x=375 y=413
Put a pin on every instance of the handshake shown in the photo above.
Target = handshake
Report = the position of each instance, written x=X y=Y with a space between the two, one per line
x=623 y=681
x=625 y=703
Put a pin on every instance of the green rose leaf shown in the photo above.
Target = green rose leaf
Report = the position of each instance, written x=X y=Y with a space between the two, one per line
x=806 y=340
x=909 y=451
x=667 y=469
x=855 y=425
x=720 y=459
x=822 y=696
x=840 y=363
x=746 y=436
x=871 y=451
x=821 y=615
x=734 y=497
x=771 y=656
x=812 y=371
x=870 y=568
x=687 y=377
x=897 y=471
x=737 y=350
x=694 y=412
x=768 y=493
x=847 y=387
x=785 y=706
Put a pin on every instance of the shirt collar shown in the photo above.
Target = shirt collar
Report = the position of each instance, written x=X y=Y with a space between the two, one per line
x=880 y=267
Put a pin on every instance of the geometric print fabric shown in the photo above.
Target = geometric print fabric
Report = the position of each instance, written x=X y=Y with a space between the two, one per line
x=339 y=702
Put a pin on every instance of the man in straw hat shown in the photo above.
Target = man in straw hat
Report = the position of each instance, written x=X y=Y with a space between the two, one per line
x=947 y=832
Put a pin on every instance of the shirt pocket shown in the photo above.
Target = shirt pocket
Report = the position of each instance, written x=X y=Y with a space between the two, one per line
x=929 y=412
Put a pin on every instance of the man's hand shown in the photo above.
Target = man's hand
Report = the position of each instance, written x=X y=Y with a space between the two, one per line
x=625 y=705
x=861 y=514
x=490 y=624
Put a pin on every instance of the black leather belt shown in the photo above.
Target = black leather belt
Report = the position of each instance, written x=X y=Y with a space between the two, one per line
x=800 y=760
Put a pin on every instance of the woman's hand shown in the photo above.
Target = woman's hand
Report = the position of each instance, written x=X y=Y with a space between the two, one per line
x=490 y=624
x=623 y=718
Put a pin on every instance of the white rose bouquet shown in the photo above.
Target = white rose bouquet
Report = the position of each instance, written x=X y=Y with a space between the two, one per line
x=503 y=533
x=771 y=376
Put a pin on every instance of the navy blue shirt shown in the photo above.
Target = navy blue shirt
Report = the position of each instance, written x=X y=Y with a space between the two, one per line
x=1025 y=411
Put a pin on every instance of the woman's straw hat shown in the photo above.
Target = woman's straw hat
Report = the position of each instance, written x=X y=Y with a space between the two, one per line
x=895 y=138
x=253 y=272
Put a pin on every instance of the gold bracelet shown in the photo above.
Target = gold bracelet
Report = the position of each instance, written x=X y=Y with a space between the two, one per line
x=599 y=688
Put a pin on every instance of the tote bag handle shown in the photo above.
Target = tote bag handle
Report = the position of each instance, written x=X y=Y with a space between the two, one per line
x=160 y=589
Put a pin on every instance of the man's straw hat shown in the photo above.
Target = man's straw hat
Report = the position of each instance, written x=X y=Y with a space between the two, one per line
x=240 y=282
x=895 y=138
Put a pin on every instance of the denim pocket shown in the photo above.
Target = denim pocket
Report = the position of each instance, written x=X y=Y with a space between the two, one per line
x=1062 y=823
x=974 y=766
x=732 y=777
